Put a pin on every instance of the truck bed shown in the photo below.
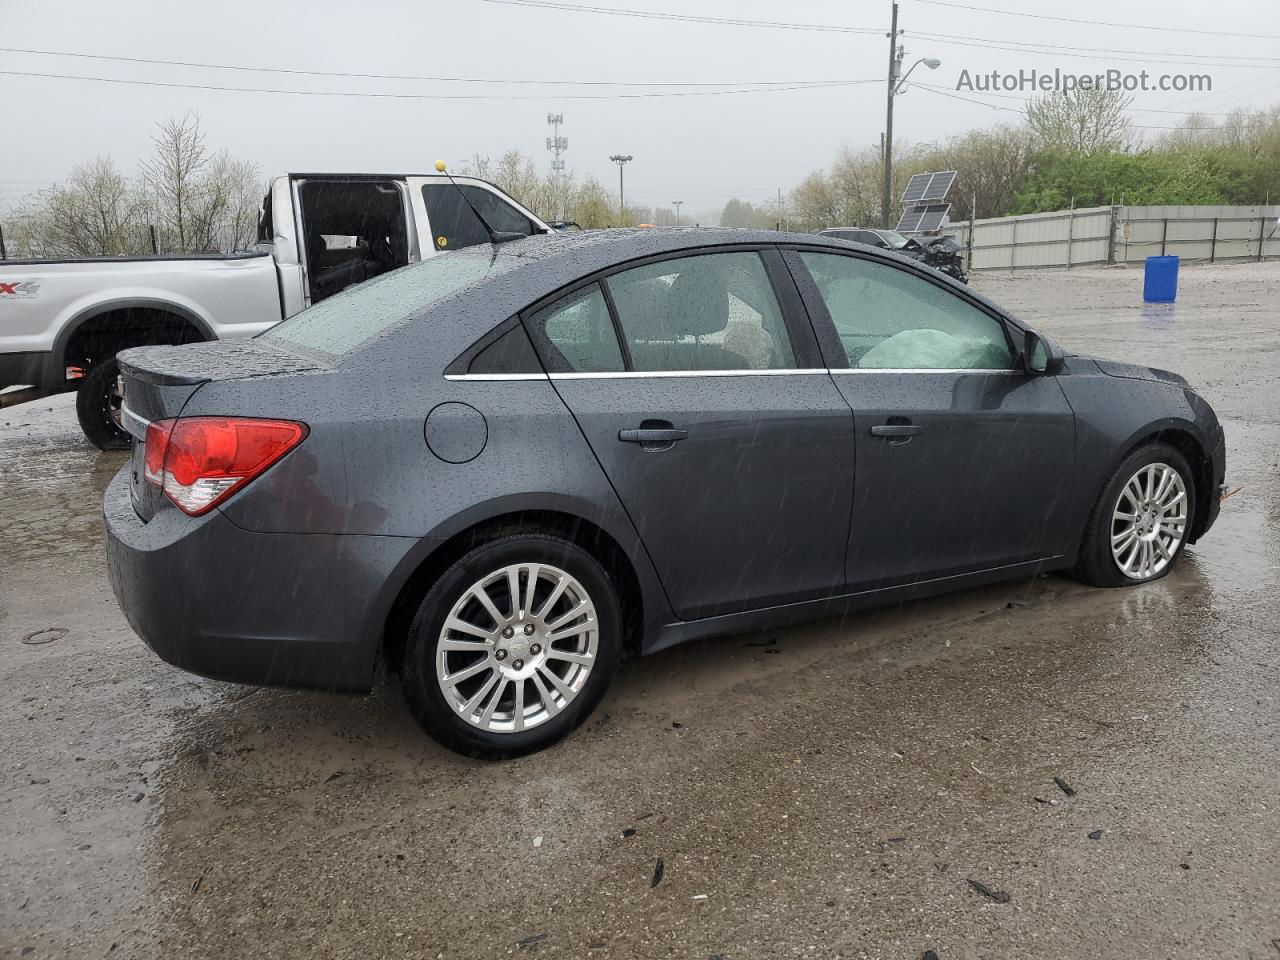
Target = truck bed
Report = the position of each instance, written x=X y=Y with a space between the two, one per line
x=44 y=302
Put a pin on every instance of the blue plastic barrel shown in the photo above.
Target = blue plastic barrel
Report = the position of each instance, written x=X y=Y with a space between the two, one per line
x=1160 y=282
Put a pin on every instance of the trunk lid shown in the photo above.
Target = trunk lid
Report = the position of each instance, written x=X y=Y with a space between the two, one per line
x=159 y=381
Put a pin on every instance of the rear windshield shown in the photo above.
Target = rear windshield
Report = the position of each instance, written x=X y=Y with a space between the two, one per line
x=343 y=322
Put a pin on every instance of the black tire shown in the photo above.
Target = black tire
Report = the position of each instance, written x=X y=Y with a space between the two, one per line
x=1096 y=565
x=98 y=407
x=418 y=666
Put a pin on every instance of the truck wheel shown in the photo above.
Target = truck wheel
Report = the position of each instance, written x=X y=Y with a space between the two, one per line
x=98 y=404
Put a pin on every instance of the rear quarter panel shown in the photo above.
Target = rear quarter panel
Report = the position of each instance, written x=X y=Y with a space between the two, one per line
x=366 y=466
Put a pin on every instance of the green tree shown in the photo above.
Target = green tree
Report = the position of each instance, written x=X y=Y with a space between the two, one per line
x=1080 y=121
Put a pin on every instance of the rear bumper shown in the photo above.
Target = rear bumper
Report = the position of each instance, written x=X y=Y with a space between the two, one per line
x=292 y=610
x=30 y=369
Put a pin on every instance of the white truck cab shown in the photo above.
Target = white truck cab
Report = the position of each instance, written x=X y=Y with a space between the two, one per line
x=63 y=321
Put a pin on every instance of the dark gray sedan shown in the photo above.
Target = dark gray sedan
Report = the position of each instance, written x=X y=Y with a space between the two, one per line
x=503 y=469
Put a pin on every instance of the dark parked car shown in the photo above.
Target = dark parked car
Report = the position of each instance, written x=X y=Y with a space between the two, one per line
x=941 y=253
x=502 y=469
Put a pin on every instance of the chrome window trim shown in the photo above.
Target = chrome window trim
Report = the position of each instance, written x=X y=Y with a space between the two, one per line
x=495 y=376
x=667 y=374
x=133 y=424
x=923 y=370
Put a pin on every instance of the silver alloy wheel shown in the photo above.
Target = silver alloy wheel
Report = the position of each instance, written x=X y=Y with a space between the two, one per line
x=517 y=647
x=1149 y=521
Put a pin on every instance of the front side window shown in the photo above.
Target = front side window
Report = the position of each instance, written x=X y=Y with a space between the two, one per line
x=454 y=224
x=711 y=312
x=888 y=318
x=576 y=334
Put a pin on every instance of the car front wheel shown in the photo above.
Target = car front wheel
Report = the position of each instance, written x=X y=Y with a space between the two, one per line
x=1141 y=522
x=512 y=647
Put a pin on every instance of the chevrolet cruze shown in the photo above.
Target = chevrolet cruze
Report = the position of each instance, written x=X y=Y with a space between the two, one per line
x=501 y=470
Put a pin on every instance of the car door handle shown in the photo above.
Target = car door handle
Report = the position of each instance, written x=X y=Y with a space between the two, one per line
x=652 y=435
x=896 y=430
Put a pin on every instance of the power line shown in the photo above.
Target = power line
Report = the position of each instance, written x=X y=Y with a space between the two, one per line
x=1149 y=56
x=439 y=96
x=1190 y=58
x=686 y=18
x=393 y=76
x=1235 y=86
x=1010 y=96
x=1101 y=23
x=1065 y=52
x=993 y=106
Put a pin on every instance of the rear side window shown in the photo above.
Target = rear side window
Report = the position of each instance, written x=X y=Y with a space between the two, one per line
x=709 y=312
x=454 y=225
x=888 y=318
x=577 y=334
x=510 y=353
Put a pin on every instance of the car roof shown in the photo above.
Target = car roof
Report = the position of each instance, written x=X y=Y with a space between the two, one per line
x=604 y=247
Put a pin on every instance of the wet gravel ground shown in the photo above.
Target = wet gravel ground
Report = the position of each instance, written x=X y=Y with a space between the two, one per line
x=841 y=791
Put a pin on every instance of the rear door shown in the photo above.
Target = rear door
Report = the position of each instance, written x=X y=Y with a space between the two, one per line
x=696 y=380
x=351 y=229
x=965 y=462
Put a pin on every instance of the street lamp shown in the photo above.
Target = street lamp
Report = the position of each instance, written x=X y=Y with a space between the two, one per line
x=620 y=159
x=931 y=62
x=677 y=204
x=896 y=80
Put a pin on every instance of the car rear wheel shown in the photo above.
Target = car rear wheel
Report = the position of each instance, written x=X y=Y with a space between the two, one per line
x=512 y=647
x=98 y=402
x=1141 y=522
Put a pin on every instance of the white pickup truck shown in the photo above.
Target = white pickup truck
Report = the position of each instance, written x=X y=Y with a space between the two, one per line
x=63 y=321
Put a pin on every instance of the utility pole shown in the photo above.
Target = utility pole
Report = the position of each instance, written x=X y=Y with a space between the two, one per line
x=620 y=159
x=895 y=66
x=677 y=204
x=557 y=145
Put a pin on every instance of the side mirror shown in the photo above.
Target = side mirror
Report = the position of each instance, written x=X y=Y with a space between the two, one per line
x=1041 y=356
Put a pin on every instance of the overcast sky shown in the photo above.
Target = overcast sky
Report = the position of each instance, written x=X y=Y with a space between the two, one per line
x=697 y=148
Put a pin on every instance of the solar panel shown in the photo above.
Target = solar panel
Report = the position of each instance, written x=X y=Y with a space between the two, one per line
x=929 y=186
x=933 y=216
x=917 y=187
x=939 y=185
x=922 y=217
x=909 y=222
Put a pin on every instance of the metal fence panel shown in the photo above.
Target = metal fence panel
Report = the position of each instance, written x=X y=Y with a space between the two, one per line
x=1098 y=235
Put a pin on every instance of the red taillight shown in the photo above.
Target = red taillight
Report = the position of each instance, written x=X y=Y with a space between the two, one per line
x=200 y=461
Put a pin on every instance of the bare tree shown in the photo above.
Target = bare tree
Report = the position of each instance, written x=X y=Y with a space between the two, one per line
x=174 y=175
x=1081 y=121
x=95 y=213
x=992 y=165
x=232 y=192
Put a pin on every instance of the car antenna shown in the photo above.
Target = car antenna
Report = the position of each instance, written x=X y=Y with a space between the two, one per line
x=495 y=237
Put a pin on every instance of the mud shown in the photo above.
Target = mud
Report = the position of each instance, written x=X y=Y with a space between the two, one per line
x=877 y=787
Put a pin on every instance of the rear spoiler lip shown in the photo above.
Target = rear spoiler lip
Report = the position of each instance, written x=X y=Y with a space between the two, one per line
x=157 y=377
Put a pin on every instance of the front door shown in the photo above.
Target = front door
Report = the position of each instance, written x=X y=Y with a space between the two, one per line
x=727 y=443
x=965 y=462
